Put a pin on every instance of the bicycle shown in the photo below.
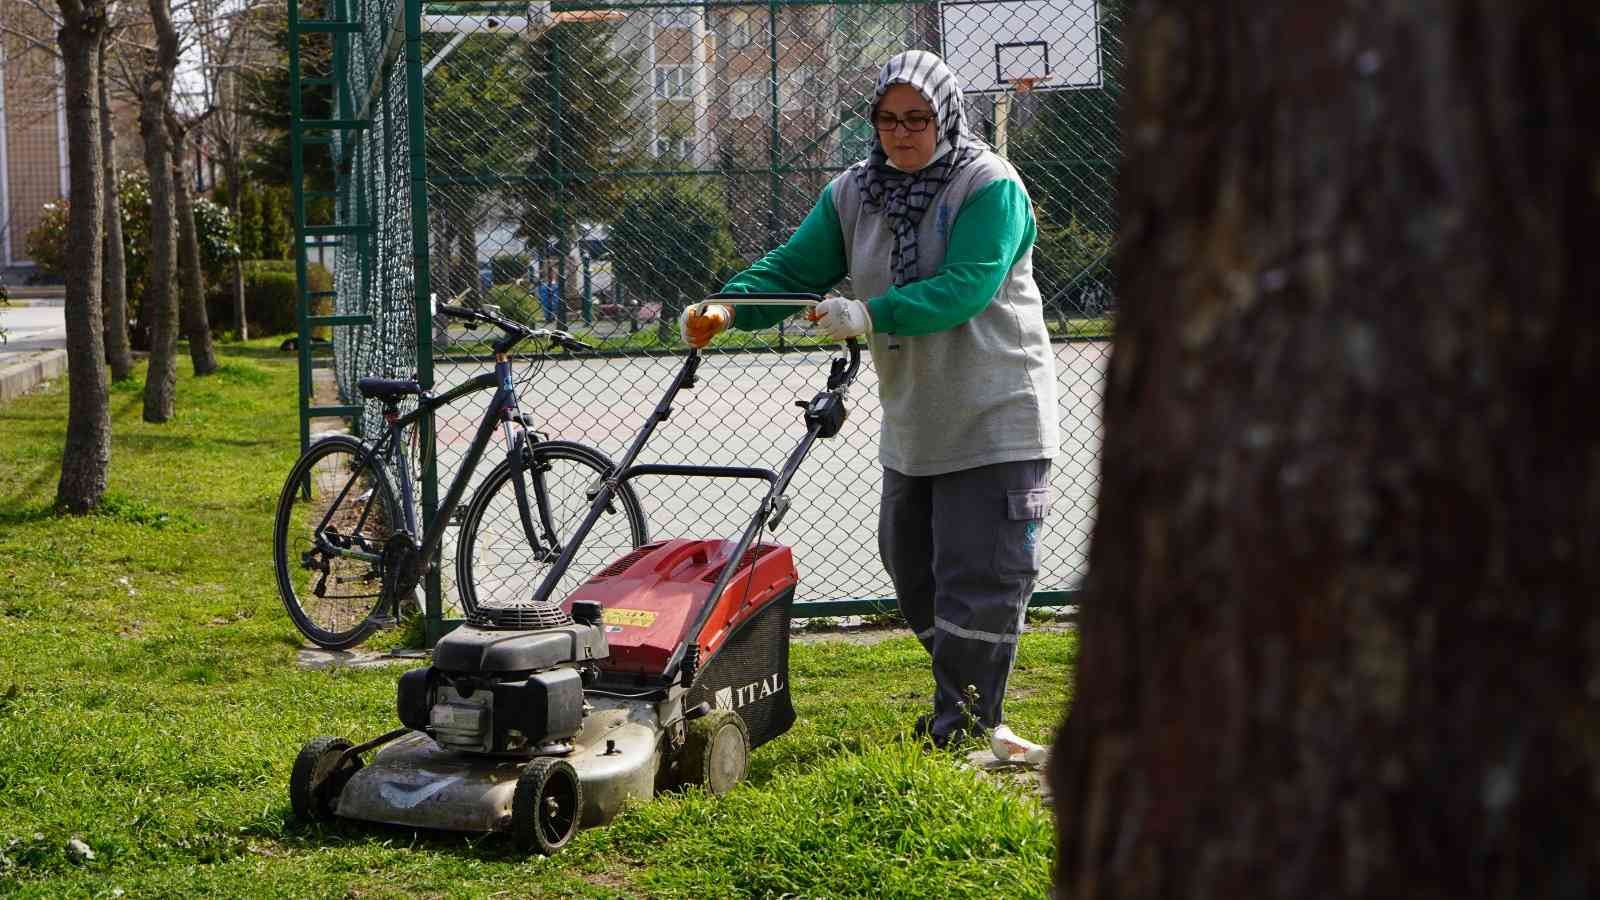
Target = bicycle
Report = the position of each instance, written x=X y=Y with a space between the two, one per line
x=347 y=550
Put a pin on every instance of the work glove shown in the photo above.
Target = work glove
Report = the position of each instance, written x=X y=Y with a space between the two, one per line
x=841 y=317
x=701 y=322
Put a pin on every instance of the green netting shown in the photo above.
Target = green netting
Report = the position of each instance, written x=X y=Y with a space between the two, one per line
x=641 y=157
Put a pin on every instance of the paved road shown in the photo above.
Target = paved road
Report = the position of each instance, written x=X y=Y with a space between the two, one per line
x=30 y=329
x=742 y=414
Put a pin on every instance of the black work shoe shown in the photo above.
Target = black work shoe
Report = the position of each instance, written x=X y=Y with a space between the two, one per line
x=923 y=731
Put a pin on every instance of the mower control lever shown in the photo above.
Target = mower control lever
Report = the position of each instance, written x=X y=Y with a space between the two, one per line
x=779 y=507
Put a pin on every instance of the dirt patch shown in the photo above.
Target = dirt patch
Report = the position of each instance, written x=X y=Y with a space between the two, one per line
x=1019 y=774
x=865 y=635
x=861 y=636
x=317 y=658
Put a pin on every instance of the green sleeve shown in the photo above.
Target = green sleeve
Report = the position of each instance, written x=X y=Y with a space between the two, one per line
x=990 y=233
x=811 y=261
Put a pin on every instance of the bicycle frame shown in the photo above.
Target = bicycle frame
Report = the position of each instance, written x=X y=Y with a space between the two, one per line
x=502 y=412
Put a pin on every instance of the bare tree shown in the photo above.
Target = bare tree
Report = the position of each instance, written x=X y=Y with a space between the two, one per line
x=113 y=282
x=191 y=283
x=235 y=45
x=159 y=304
x=86 y=456
x=1341 y=637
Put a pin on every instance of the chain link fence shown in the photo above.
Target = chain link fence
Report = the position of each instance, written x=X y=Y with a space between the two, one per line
x=599 y=166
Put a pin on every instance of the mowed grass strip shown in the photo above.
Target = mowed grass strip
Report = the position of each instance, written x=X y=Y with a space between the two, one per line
x=150 y=705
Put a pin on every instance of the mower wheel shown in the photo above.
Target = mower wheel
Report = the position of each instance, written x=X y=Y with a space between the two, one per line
x=317 y=777
x=716 y=751
x=547 y=805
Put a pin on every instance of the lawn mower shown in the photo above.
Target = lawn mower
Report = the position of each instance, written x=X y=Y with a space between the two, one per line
x=542 y=715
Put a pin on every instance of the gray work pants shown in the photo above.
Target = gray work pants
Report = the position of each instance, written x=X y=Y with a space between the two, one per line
x=963 y=551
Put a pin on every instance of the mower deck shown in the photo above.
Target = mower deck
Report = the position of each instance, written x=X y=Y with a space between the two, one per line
x=415 y=782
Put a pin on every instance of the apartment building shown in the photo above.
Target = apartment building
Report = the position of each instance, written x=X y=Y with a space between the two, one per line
x=33 y=151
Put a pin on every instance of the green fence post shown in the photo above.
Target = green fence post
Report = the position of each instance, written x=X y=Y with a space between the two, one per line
x=433 y=625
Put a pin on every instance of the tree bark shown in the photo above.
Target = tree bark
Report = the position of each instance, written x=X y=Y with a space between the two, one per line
x=86 y=455
x=114 y=277
x=1340 y=636
x=160 y=302
x=191 y=283
x=240 y=316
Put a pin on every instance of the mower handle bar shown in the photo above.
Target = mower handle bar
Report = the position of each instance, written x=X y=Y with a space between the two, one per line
x=779 y=298
x=515 y=332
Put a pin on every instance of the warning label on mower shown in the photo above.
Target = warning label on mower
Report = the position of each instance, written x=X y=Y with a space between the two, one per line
x=643 y=618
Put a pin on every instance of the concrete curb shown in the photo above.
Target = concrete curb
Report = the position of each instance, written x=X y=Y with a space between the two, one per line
x=21 y=377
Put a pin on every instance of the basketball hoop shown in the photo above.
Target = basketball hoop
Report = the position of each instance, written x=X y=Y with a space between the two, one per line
x=1025 y=83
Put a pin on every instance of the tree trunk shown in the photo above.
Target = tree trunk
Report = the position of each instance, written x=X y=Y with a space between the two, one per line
x=160 y=301
x=114 y=278
x=240 y=316
x=86 y=456
x=1340 y=635
x=191 y=283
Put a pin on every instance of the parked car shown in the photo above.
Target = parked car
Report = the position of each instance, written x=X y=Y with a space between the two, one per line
x=631 y=309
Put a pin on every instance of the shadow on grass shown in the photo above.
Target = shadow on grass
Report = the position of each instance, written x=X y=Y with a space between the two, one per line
x=251 y=351
x=334 y=833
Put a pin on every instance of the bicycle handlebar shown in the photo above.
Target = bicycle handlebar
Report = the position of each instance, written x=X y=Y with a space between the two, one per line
x=514 y=331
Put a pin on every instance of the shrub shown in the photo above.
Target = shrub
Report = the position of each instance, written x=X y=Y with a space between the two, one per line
x=47 y=242
x=1072 y=265
x=507 y=267
x=516 y=302
x=670 y=242
x=269 y=296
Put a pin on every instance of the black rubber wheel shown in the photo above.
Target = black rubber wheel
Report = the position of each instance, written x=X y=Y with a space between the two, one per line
x=366 y=515
x=317 y=777
x=716 y=751
x=547 y=805
x=494 y=560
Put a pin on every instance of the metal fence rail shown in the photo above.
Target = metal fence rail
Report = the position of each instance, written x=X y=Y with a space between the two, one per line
x=635 y=155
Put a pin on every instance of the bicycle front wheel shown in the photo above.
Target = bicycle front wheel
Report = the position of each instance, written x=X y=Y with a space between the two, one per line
x=494 y=560
x=331 y=587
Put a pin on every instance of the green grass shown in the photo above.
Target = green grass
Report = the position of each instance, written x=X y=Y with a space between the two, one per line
x=150 y=705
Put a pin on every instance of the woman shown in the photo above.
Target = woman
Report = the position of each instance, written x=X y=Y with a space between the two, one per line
x=937 y=232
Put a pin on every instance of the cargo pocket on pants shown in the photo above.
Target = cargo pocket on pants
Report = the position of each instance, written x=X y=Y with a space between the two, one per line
x=1016 y=553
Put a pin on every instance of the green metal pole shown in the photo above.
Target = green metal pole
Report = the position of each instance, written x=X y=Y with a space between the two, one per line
x=297 y=190
x=774 y=186
x=588 y=293
x=557 y=148
x=433 y=626
x=774 y=182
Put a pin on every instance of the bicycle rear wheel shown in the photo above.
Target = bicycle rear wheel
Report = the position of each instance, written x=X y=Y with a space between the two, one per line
x=330 y=596
x=494 y=561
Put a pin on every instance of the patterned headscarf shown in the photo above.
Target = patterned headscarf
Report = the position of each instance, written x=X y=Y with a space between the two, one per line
x=904 y=196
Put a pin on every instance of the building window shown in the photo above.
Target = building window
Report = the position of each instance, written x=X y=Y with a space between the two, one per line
x=747 y=96
x=746 y=29
x=799 y=88
x=669 y=145
x=677 y=17
x=674 y=82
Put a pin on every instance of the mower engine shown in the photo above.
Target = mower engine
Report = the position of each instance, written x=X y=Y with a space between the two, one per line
x=508 y=682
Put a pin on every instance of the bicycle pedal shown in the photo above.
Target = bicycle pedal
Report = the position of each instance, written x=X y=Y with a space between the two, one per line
x=383 y=620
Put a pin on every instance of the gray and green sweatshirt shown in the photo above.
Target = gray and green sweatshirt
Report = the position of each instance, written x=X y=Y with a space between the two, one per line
x=966 y=374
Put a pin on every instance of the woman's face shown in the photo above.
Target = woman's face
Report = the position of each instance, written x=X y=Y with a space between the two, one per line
x=907 y=149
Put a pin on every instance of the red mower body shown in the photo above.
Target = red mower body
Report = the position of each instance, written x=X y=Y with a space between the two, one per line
x=652 y=595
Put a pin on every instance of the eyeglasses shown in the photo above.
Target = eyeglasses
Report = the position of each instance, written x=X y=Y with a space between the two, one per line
x=914 y=122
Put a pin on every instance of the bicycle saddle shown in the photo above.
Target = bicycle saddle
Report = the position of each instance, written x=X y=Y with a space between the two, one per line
x=387 y=389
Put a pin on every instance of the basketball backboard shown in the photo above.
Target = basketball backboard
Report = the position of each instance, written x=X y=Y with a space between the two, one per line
x=991 y=43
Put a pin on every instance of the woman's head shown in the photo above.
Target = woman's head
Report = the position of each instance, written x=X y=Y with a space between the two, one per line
x=916 y=110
